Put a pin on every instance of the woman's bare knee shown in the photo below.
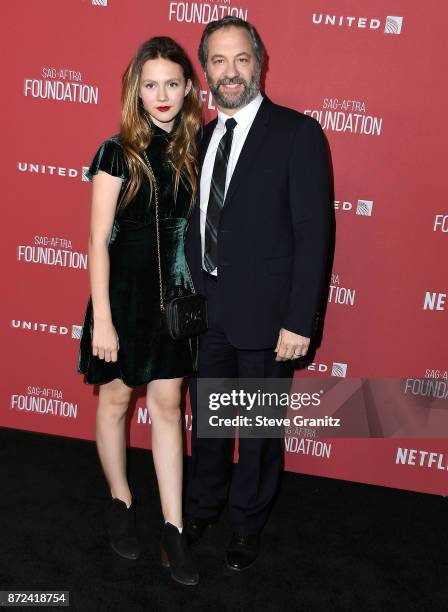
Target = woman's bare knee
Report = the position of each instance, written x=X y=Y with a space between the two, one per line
x=163 y=399
x=114 y=399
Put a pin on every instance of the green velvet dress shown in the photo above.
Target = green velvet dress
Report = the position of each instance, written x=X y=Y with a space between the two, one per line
x=146 y=351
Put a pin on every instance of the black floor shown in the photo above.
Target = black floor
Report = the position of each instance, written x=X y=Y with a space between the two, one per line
x=329 y=545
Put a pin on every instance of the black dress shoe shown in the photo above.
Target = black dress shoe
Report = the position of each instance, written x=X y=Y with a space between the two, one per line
x=121 y=528
x=194 y=529
x=242 y=551
x=176 y=556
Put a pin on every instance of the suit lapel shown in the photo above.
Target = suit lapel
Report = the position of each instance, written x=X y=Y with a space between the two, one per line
x=205 y=141
x=252 y=146
x=203 y=146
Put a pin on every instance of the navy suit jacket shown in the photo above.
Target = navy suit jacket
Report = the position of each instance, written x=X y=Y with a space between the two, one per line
x=273 y=235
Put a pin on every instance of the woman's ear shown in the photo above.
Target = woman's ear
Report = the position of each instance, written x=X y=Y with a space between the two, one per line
x=188 y=87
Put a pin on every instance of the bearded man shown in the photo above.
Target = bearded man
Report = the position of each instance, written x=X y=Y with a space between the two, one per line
x=257 y=247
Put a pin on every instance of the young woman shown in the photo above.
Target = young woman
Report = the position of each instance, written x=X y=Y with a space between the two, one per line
x=124 y=343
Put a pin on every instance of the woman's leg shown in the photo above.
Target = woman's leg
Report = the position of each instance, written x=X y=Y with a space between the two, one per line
x=163 y=402
x=111 y=438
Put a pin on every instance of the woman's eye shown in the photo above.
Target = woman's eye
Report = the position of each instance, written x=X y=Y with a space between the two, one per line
x=150 y=85
x=173 y=84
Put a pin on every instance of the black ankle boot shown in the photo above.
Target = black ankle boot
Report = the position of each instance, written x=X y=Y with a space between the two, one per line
x=177 y=557
x=121 y=528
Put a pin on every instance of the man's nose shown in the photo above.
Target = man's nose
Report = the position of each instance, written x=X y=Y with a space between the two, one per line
x=231 y=71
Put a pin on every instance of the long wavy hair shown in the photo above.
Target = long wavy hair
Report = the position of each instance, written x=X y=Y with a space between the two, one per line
x=135 y=127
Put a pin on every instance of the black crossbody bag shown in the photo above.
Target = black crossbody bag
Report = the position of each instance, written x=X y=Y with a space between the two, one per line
x=183 y=316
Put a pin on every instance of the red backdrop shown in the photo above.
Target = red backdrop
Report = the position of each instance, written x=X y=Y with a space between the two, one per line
x=372 y=73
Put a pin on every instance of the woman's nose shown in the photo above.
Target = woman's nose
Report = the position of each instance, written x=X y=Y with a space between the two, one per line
x=163 y=93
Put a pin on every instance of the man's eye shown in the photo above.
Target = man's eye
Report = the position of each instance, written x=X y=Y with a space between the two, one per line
x=218 y=61
x=244 y=60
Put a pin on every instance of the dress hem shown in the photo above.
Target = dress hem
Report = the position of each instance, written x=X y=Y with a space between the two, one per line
x=135 y=386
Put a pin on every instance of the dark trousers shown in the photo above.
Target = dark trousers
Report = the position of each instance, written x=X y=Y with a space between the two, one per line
x=251 y=485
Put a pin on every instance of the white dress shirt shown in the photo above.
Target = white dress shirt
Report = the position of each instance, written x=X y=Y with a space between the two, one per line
x=244 y=118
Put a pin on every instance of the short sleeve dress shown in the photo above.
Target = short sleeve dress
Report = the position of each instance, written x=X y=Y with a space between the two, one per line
x=146 y=351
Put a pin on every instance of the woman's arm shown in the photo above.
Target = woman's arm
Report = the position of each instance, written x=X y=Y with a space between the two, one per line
x=106 y=189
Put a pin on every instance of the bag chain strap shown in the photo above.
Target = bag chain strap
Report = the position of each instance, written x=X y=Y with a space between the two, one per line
x=156 y=198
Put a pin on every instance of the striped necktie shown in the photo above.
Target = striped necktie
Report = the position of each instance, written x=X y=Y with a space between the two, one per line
x=216 y=198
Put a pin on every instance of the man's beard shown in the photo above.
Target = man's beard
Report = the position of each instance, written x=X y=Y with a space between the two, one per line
x=250 y=91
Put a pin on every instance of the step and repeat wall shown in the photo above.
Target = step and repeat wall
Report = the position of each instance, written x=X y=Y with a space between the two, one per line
x=372 y=73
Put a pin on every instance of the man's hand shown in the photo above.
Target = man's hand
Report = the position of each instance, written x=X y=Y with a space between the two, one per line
x=291 y=345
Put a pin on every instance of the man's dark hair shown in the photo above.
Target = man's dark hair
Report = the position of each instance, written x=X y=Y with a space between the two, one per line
x=226 y=22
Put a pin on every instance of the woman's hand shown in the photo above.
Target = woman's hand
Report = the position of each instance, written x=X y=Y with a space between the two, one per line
x=105 y=342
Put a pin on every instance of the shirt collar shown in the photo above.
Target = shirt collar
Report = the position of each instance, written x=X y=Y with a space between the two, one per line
x=244 y=116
